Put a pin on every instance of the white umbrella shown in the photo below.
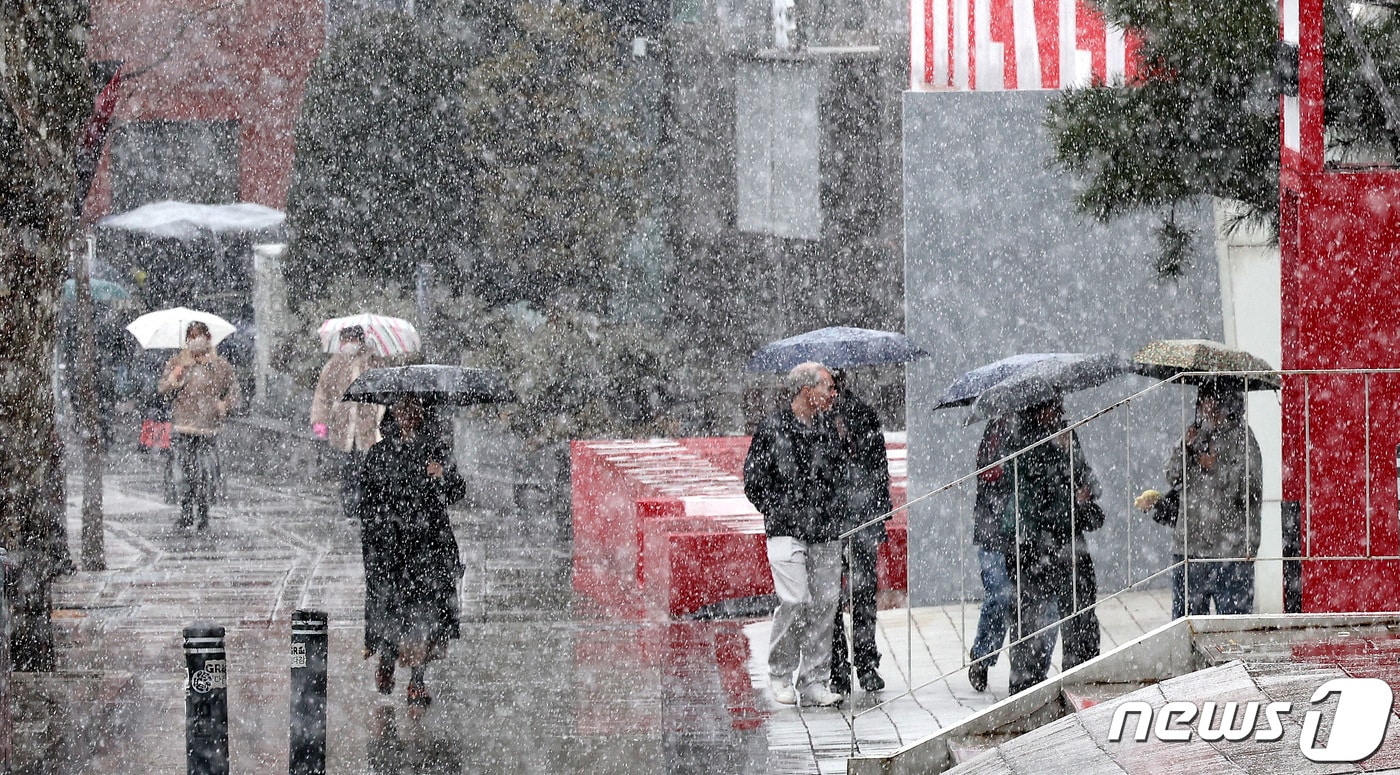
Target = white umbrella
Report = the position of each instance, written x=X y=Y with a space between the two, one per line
x=166 y=328
x=388 y=336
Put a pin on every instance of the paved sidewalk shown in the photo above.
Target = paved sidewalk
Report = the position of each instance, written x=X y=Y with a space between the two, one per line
x=535 y=685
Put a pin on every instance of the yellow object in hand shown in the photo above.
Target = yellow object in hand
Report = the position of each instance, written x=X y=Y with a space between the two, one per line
x=1147 y=500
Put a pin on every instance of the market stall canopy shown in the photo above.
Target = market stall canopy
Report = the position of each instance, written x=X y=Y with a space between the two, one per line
x=187 y=220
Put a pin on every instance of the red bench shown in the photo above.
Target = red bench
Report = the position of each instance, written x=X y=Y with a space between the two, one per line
x=662 y=527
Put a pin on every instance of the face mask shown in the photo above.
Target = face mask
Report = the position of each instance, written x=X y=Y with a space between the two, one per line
x=350 y=349
x=199 y=344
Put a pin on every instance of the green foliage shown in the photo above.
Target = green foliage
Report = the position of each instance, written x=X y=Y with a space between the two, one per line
x=1202 y=116
x=403 y=123
x=1174 y=245
x=577 y=376
x=1357 y=129
x=380 y=182
x=556 y=161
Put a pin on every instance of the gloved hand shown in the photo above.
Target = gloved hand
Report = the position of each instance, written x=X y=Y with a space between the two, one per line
x=321 y=431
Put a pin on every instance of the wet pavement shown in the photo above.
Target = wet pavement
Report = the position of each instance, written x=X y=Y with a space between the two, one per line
x=530 y=687
x=536 y=684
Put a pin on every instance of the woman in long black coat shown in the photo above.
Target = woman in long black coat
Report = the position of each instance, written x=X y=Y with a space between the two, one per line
x=412 y=562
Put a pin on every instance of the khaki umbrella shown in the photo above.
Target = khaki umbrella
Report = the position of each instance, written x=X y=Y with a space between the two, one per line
x=1166 y=358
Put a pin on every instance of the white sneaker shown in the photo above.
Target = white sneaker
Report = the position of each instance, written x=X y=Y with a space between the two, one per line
x=820 y=696
x=783 y=693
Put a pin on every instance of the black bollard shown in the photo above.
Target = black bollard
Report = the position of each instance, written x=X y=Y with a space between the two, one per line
x=308 y=719
x=206 y=700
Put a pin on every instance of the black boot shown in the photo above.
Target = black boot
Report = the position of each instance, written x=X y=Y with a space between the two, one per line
x=977 y=675
x=870 y=680
x=840 y=679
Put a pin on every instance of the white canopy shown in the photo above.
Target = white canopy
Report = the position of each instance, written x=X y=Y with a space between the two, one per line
x=185 y=220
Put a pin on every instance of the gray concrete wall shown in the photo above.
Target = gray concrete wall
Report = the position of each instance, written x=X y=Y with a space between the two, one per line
x=998 y=262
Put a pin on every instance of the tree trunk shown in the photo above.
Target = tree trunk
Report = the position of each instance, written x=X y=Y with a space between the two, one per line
x=47 y=97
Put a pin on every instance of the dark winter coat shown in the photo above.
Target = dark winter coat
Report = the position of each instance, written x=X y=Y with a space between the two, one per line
x=792 y=475
x=412 y=562
x=1043 y=491
x=866 y=466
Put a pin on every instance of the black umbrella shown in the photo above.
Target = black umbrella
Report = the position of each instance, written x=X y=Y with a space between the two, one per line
x=837 y=347
x=432 y=384
x=1046 y=381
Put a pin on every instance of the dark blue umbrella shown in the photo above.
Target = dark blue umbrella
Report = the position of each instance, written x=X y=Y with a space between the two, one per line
x=838 y=347
x=1047 y=380
x=968 y=387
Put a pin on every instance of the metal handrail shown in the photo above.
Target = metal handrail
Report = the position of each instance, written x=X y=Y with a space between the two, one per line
x=1181 y=378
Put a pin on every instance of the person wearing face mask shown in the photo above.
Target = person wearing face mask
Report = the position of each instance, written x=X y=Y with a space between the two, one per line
x=1213 y=505
x=349 y=428
x=203 y=390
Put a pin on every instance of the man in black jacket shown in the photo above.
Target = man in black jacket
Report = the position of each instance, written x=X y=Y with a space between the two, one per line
x=867 y=496
x=1054 y=502
x=791 y=475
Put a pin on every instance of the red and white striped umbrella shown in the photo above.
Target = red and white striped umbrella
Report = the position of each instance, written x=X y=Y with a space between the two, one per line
x=388 y=336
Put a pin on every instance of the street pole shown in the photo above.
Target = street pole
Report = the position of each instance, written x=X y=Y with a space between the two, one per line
x=94 y=557
x=7 y=746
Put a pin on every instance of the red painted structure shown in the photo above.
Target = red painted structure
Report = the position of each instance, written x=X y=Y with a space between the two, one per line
x=662 y=527
x=1339 y=237
x=192 y=61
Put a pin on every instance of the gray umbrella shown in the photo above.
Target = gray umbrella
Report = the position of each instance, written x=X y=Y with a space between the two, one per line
x=836 y=347
x=432 y=384
x=966 y=388
x=1046 y=381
